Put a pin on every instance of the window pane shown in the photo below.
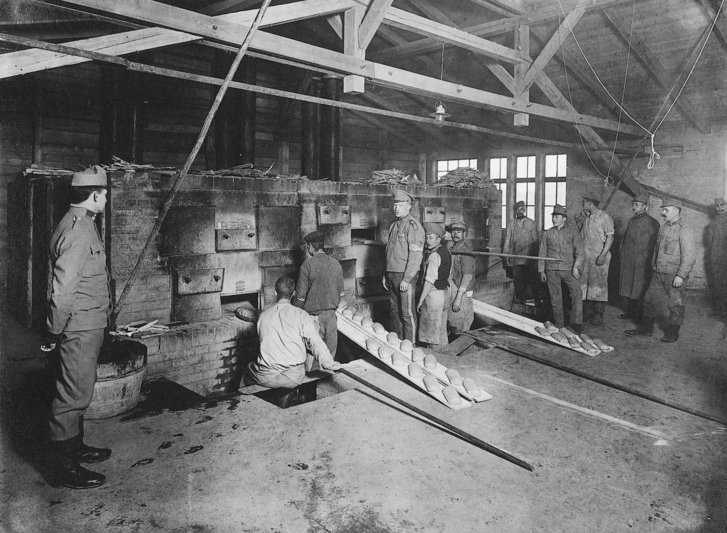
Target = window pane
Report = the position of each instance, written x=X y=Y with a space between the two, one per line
x=521 y=192
x=504 y=216
x=562 y=164
x=503 y=188
x=551 y=166
x=550 y=193
x=547 y=220
x=531 y=212
x=561 y=192
x=522 y=167
x=531 y=194
x=495 y=168
x=473 y=163
x=441 y=165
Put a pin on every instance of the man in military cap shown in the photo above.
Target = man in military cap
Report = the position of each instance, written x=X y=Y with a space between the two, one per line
x=320 y=287
x=79 y=306
x=716 y=250
x=597 y=234
x=434 y=291
x=563 y=242
x=674 y=257
x=460 y=314
x=521 y=238
x=636 y=251
x=404 y=251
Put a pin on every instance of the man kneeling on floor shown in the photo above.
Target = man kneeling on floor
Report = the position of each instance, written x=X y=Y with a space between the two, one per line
x=290 y=344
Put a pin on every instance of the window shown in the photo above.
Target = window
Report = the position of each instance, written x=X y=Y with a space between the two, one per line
x=525 y=183
x=446 y=165
x=554 y=186
x=498 y=176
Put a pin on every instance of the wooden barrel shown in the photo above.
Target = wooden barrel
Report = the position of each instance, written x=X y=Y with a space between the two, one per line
x=118 y=384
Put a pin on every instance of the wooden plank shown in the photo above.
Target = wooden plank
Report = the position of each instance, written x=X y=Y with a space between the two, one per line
x=552 y=46
x=507 y=8
x=228 y=5
x=458 y=345
x=371 y=22
x=519 y=322
x=293 y=12
x=351 y=25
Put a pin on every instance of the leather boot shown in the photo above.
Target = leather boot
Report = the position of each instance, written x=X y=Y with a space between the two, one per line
x=89 y=454
x=671 y=333
x=65 y=470
x=587 y=311
x=646 y=328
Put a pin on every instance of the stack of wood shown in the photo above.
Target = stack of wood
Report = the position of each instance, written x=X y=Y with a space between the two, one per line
x=392 y=177
x=120 y=164
x=47 y=171
x=248 y=171
x=465 y=178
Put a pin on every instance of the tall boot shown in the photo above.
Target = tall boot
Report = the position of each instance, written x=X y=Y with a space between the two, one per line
x=646 y=327
x=65 y=470
x=597 y=316
x=671 y=333
x=89 y=454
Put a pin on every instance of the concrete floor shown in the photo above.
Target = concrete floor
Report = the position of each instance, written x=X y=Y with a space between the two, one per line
x=354 y=463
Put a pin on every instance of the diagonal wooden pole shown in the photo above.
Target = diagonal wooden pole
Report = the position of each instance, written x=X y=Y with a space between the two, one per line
x=190 y=159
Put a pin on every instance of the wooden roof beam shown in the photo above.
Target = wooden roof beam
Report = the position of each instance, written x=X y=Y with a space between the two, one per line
x=654 y=66
x=228 y=33
x=552 y=46
x=513 y=7
x=227 y=6
x=710 y=8
x=372 y=20
x=548 y=12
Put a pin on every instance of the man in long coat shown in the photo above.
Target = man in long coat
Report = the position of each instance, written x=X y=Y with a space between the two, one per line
x=637 y=249
x=716 y=250
x=597 y=235
x=521 y=238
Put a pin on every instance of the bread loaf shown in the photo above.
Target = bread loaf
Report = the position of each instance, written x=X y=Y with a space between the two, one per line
x=406 y=346
x=542 y=331
x=558 y=336
x=398 y=360
x=549 y=326
x=453 y=376
x=602 y=345
x=367 y=322
x=417 y=355
x=378 y=328
x=416 y=371
x=348 y=312
x=574 y=342
x=591 y=349
x=392 y=338
x=451 y=395
x=385 y=352
x=373 y=345
x=430 y=361
x=472 y=388
x=586 y=338
x=357 y=317
x=432 y=384
x=568 y=333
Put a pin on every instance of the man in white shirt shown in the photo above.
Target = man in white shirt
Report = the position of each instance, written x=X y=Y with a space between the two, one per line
x=287 y=335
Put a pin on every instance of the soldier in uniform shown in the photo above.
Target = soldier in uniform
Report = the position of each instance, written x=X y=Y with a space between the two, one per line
x=434 y=290
x=404 y=251
x=460 y=314
x=597 y=235
x=563 y=242
x=79 y=307
x=674 y=257
x=637 y=249
x=521 y=238
x=319 y=289
x=716 y=250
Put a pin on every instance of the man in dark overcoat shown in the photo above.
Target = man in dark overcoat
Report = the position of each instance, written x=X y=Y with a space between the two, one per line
x=637 y=249
x=715 y=246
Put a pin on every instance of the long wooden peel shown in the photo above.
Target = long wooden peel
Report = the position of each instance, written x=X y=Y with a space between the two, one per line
x=449 y=427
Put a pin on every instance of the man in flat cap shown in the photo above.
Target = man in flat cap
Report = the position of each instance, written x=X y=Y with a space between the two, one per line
x=636 y=251
x=320 y=287
x=80 y=303
x=563 y=242
x=434 y=291
x=521 y=238
x=597 y=234
x=715 y=244
x=674 y=257
x=460 y=314
x=404 y=251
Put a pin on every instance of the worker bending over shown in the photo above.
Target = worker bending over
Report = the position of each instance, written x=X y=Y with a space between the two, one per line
x=290 y=344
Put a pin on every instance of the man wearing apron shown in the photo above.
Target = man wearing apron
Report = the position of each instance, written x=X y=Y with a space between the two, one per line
x=434 y=297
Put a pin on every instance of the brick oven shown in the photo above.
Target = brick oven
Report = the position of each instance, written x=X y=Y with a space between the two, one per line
x=224 y=242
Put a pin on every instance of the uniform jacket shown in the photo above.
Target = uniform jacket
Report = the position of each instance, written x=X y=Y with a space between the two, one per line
x=79 y=293
x=715 y=241
x=675 y=252
x=637 y=249
x=405 y=247
x=521 y=238
x=564 y=244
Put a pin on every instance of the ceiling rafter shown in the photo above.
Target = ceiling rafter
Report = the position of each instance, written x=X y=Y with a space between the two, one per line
x=710 y=8
x=653 y=66
x=372 y=20
x=548 y=12
x=508 y=9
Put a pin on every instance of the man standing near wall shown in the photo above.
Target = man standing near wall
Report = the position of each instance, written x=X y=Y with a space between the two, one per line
x=636 y=251
x=716 y=248
x=674 y=257
x=404 y=251
x=563 y=242
x=434 y=292
x=79 y=306
x=597 y=235
x=320 y=287
x=460 y=314
x=521 y=238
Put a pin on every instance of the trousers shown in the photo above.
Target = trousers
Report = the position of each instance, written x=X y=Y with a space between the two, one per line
x=75 y=380
x=554 y=279
x=662 y=299
x=328 y=329
x=402 y=306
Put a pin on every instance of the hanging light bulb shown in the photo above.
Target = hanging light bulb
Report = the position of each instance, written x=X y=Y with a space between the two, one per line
x=440 y=113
